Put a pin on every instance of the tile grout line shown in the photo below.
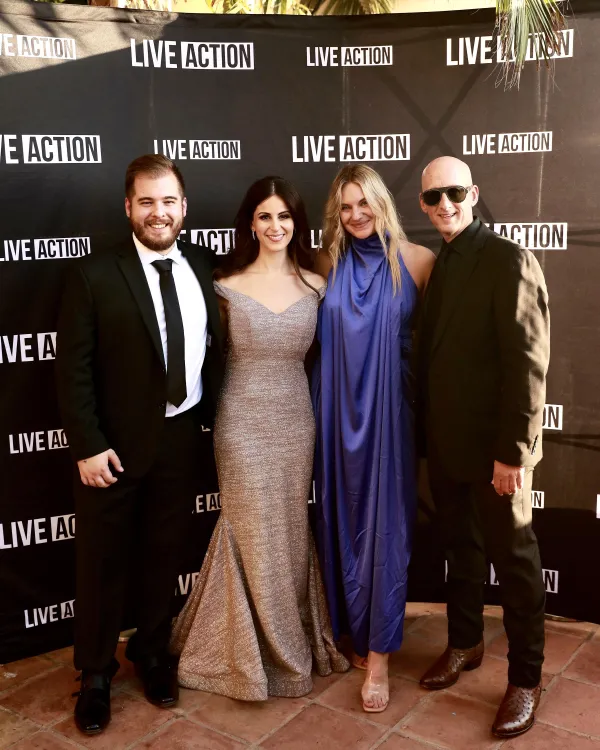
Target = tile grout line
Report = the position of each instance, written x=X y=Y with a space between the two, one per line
x=151 y=733
x=406 y=733
x=51 y=726
x=575 y=653
x=309 y=702
x=424 y=701
x=21 y=716
x=429 y=699
x=420 y=622
x=422 y=740
x=269 y=734
x=64 y=738
x=13 y=688
x=378 y=743
x=415 y=627
x=48 y=727
x=140 y=699
x=589 y=636
x=50 y=731
x=425 y=742
x=235 y=737
x=364 y=719
x=580 y=680
x=350 y=715
x=252 y=743
x=560 y=674
x=595 y=737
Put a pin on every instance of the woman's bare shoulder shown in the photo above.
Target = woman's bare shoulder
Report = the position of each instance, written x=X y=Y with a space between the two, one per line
x=231 y=282
x=419 y=262
x=314 y=279
x=419 y=253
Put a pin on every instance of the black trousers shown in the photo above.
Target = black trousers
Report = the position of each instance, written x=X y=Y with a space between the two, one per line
x=477 y=524
x=136 y=528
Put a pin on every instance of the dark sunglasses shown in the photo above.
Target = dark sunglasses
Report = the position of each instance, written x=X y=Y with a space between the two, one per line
x=455 y=193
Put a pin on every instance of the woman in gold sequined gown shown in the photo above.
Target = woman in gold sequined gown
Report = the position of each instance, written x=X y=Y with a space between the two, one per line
x=256 y=619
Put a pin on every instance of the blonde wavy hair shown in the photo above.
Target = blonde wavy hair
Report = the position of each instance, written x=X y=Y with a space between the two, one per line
x=381 y=202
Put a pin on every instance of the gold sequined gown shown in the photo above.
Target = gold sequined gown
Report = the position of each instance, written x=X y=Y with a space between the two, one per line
x=257 y=619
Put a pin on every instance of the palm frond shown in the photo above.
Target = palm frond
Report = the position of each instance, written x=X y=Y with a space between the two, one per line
x=349 y=7
x=527 y=29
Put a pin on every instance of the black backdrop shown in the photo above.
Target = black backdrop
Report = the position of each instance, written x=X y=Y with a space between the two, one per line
x=283 y=95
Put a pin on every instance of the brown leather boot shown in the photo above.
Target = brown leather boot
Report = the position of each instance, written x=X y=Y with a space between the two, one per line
x=517 y=711
x=446 y=671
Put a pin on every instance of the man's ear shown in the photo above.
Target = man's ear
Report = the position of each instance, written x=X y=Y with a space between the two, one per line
x=184 y=205
x=128 y=208
x=475 y=194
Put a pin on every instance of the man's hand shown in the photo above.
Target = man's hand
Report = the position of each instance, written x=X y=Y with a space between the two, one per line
x=94 y=471
x=508 y=479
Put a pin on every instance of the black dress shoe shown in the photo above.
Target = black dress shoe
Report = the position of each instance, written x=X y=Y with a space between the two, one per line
x=159 y=675
x=92 y=710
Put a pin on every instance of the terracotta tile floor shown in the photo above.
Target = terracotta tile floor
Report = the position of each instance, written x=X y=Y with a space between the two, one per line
x=36 y=704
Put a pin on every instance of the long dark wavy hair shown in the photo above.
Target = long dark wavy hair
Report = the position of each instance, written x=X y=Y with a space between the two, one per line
x=245 y=250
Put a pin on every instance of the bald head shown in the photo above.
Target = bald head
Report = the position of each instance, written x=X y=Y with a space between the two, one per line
x=449 y=217
x=446 y=170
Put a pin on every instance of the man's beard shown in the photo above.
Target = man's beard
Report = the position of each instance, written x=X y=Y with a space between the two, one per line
x=144 y=236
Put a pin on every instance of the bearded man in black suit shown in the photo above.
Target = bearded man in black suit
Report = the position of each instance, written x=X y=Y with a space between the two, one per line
x=139 y=367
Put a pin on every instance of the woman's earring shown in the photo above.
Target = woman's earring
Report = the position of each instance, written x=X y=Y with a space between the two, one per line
x=253 y=234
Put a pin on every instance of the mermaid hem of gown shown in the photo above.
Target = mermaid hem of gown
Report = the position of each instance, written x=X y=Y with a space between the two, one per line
x=237 y=687
x=218 y=626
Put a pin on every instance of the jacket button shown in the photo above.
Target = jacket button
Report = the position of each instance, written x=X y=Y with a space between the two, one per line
x=162 y=406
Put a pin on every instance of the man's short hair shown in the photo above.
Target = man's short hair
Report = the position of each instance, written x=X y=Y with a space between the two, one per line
x=154 y=166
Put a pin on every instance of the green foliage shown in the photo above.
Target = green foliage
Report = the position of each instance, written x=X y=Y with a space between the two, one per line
x=516 y=20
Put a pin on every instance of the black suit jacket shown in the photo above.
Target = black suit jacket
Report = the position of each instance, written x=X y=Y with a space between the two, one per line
x=482 y=369
x=110 y=368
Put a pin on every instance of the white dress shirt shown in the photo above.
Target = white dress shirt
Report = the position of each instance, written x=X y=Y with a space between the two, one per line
x=193 y=313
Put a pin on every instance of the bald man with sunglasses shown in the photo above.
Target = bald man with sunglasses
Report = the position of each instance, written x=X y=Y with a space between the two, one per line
x=484 y=352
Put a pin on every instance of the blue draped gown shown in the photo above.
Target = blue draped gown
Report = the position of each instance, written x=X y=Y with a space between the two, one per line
x=365 y=467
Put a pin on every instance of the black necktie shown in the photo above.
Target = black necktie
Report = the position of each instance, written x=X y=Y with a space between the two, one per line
x=176 y=388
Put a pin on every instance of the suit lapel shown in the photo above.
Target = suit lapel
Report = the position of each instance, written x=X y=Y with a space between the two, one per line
x=204 y=276
x=430 y=285
x=132 y=270
x=454 y=292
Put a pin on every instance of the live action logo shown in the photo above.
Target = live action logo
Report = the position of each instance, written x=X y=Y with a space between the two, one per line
x=50 y=149
x=380 y=147
x=49 y=248
x=35 y=531
x=53 y=613
x=209 y=502
x=481 y=50
x=553 y=417
x=32 y=442
x=537 y=499
x=333 y=57
x=43 y=47
x=21 y=347
x=550 y=578
x=161 y=53
x=185 y=583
